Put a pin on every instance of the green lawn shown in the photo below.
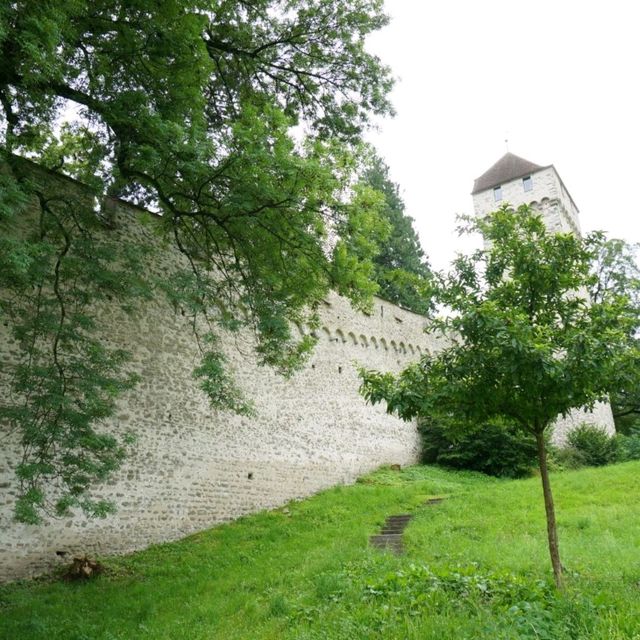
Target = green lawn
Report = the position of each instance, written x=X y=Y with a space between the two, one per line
x=476 y=567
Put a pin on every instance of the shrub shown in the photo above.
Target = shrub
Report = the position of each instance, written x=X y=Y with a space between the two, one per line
x=629 y=445
x=565 y=458
x=595 y=445
x=496 y=448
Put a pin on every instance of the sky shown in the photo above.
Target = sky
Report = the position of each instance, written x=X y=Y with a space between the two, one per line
x=558 y=79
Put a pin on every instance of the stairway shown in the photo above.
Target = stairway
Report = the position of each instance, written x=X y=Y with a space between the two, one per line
x=390 y=536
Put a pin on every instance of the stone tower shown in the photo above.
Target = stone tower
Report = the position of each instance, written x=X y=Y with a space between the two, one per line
x=517 y=181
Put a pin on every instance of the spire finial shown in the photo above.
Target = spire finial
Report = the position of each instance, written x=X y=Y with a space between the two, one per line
x=506 y=144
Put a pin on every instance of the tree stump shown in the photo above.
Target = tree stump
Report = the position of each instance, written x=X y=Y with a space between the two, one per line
x=83 y=568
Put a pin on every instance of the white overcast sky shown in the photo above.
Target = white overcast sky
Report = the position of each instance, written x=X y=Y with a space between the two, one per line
x=560 y=79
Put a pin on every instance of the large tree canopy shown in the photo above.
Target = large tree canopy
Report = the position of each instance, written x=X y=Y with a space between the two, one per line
x=526 y=342
x=239 y=123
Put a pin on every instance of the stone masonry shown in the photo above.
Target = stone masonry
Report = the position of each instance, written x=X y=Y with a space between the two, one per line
x=193 y=467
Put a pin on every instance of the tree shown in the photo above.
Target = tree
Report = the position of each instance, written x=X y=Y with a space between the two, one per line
x=186 y=107
x=526 y=344
x=616 y=272
x=615 y=269
x=625 y=397
x=401 y=269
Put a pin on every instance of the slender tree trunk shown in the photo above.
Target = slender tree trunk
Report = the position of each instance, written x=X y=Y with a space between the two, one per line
x=552 y=531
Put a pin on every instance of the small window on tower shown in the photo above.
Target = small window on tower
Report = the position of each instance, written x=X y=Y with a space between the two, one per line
x=497 y=193
x=527 y=183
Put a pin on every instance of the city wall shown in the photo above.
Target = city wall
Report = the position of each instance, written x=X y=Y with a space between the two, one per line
x=193 y=467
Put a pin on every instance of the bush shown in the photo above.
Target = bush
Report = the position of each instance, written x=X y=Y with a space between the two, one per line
x=629 y=445
x=565 y=458
x=594 y=444
x=496 y=448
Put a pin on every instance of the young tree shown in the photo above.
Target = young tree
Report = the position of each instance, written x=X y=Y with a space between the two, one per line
x=401 y=269
x=185 y=107
x=526 y=344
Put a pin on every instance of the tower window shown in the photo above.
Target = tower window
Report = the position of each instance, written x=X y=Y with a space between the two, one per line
x=527 y=183
x=497 y=193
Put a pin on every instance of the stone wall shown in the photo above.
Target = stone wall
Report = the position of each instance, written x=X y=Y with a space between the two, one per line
x=194 y=467
x=600 y=416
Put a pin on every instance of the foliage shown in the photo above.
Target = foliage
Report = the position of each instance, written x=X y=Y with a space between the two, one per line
x=401 y=269
x=615 y=268
x=416 y=583
x=616 y=271
x=497 y=448
x=474 y=567
x=524 y=608
x=595 y=445
x=591 y=446
x=67 y=378
x=629 y=445
x=526 y=345
x=625 y=397
x=565 y=458
x=186 y=107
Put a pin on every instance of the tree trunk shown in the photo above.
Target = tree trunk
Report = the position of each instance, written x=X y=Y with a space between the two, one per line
x=552 y=532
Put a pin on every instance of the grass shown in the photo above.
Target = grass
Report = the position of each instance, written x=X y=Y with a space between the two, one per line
x=476 y=567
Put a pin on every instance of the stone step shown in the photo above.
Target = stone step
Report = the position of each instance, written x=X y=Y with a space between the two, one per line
x=390 y=536
x=391 y=541
x=399 y=521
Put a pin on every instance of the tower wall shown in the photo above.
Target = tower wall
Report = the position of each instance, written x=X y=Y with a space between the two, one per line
x=548 y=195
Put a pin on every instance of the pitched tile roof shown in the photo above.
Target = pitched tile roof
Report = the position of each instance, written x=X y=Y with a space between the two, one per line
x=509 y=167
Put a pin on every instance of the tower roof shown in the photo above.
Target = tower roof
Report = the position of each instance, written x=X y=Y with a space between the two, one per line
x=508 y=168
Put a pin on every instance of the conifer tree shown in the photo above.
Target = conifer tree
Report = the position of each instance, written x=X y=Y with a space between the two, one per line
x=401 y=269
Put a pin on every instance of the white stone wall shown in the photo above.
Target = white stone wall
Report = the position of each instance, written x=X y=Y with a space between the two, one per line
x=194 y=467
x=601 y=416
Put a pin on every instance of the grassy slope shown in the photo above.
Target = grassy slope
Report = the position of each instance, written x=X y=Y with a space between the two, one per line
x=476 y=567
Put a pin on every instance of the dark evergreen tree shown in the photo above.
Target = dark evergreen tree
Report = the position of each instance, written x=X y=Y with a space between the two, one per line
x=401 y=268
